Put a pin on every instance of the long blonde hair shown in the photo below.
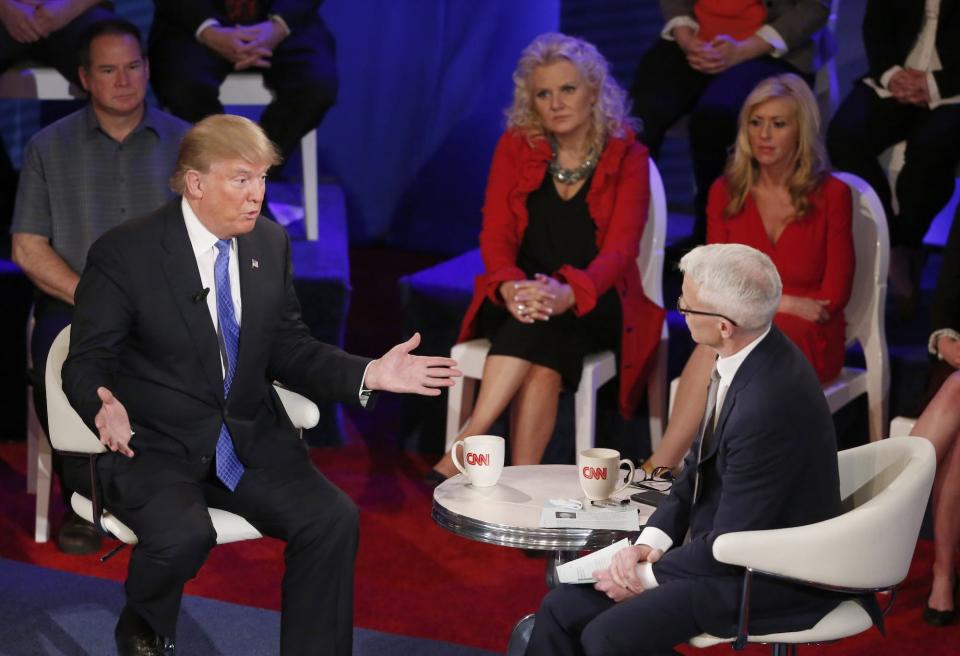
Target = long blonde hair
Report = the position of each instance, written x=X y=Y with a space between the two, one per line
x=810 y=166
x=611 y=114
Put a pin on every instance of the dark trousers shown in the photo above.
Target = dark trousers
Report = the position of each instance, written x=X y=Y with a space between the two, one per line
x=576 y=620
x=50 y=317
x=187 y=75
x=865 y=125
x=297 y=504
x=665 y=88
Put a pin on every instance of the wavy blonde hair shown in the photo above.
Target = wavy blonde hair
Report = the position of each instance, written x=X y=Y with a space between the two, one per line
x=611 y=115
x=810 y=165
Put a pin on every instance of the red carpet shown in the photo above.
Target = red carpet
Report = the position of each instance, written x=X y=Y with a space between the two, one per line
x=414 y=578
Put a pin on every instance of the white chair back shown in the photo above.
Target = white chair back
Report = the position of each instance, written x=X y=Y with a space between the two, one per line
x=67 y=430
x=652 y=243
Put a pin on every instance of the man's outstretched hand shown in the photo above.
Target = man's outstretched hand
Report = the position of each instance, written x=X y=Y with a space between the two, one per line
x=113 y=423
x=399 y=371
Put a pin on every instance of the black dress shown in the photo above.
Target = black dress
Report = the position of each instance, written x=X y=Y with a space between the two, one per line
x=558 y=232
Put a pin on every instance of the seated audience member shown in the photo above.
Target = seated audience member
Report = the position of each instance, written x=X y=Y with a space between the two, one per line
x=910 y=93
x=767 y=459
x=193 y=378
x=711 y=54
x=82 y=175
x=48 y=32
x=565 y=207
x=194 y=45
x=940 y=423
x=778 y=196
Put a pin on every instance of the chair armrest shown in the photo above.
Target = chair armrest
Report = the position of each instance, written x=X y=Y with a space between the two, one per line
x=303 y=412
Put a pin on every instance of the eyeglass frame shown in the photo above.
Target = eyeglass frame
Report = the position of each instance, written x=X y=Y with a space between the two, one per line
x=685 y=311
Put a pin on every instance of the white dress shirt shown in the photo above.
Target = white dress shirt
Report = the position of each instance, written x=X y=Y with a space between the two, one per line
x=727 y=368
x=767 y=32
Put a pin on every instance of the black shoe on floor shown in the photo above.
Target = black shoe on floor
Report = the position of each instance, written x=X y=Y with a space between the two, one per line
x=935 y=617
x=433 y=478
x=135 y=637
x=77 y=536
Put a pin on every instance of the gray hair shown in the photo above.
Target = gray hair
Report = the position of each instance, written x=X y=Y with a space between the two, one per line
x=737 y=280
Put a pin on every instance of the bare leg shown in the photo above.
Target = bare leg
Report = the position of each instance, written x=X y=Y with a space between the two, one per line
x=534 y=415
x=687 y=409
x=502 y=377
x=940 y=423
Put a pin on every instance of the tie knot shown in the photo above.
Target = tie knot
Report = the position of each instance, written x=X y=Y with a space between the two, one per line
x=223 y=245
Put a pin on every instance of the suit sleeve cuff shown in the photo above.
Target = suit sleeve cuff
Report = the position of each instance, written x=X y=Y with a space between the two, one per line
x=647 y=579
x=210 y=22
x=679 y=21
x=656 y=538
x=771 y=36
x=364 y=392
x=885 y=78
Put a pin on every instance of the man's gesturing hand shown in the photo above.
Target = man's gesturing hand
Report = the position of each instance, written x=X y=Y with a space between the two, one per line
x=113 y=424
x=399 y=371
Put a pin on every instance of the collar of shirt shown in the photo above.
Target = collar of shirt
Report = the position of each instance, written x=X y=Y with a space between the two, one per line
x=203 y=244
x=201 y=239
x=727 y=368
x=147 y=121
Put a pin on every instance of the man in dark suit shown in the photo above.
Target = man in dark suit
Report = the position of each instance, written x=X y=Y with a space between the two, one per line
x=910 y=93
x=184 y=318
x=766 y=459
x=195 y=44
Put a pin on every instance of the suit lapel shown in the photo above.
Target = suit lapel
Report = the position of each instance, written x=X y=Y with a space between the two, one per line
x=253 y=278
x=180 y=270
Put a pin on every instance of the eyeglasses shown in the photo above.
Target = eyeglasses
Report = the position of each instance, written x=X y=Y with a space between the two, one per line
x=659 y=479
x=685 y=311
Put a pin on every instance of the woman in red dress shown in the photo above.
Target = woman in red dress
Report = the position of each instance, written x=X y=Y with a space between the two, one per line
x=565 y=206
x=777 y=196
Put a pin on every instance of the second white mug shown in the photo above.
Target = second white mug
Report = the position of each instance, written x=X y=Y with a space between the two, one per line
x=599 y=471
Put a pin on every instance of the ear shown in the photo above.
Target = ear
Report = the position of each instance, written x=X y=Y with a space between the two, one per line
x=726 y=329
x=84 y=78
x=193 y=184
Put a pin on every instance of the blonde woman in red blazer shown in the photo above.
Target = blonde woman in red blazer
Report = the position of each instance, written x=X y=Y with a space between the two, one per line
x=565 y=207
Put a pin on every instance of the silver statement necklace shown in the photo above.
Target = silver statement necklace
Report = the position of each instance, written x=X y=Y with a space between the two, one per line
x=571 y=176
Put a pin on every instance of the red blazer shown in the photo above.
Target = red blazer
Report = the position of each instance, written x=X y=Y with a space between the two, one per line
x=617 y=200
x=815 y=258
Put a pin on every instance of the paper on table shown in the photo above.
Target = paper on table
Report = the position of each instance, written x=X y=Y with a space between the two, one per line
x=581 y=570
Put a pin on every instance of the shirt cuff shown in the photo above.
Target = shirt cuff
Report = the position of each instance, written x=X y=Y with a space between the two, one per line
x=935 y=337
x=647 y=579
x=933 y=89
x=890 y=72
x=210 y=22
x=771 y=36
x=278 y=19
x=656 y=538
x=364 y=392
x=679 y=21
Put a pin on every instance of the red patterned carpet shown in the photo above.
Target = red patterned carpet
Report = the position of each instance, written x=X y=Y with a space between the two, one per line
x=414 y=578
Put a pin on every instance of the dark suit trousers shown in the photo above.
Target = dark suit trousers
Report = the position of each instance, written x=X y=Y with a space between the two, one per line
x=296 y=504
x=575 y=620
x=665 y=89
x=865 y=125
x=186 y=77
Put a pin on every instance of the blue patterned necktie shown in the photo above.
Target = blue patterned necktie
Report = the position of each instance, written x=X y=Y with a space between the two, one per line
x=229 y=468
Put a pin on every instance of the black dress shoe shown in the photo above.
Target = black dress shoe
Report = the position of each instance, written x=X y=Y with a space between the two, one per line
x=77 y=536
x=935 y=617
x=136 y=638
x=433 y=478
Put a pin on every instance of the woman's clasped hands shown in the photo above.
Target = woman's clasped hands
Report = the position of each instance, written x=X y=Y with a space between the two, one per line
x=537 y=299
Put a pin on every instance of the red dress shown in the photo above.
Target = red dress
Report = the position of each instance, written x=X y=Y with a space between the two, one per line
x=815 y=258
x=617 y=201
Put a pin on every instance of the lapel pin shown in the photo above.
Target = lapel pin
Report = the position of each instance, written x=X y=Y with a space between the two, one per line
x=254 y=264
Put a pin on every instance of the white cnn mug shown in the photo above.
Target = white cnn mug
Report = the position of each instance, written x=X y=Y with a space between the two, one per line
x=482 y=458
x=599 y=471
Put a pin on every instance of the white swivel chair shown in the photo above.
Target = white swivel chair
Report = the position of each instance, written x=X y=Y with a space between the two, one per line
x=863 y=550
x=864 y=311
x=39 y=458
x=70 y=435
x=598 y=368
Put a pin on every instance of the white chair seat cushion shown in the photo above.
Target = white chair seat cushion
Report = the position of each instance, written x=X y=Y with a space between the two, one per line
x=229 y=527
x=847 y=619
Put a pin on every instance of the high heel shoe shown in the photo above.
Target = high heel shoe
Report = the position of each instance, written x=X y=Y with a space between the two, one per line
x=935 y=617
x=433 y=478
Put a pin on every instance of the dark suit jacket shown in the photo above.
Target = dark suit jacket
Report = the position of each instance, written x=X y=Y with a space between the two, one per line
x=138 y=331
x=772 y=463
x=891 y=28
x=189 y=14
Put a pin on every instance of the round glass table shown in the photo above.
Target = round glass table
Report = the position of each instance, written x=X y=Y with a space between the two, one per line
x=508 y=513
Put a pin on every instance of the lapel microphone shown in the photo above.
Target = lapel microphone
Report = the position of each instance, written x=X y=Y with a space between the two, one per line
x=201 y=295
